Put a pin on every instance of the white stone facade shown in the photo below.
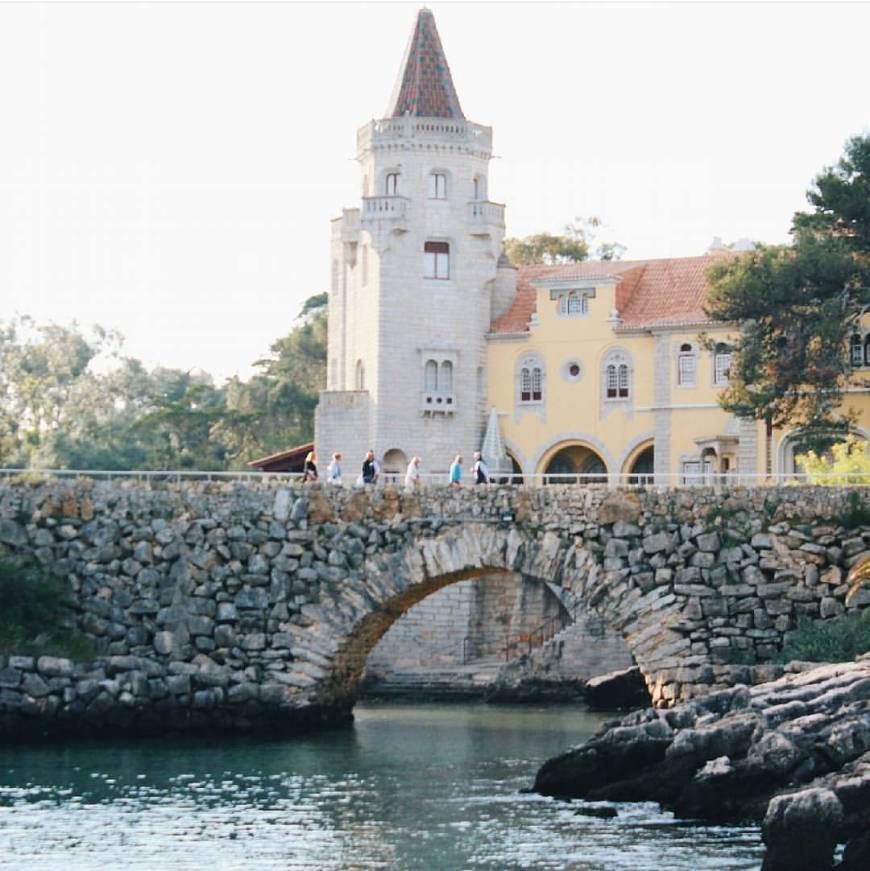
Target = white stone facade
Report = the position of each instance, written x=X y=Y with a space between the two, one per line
x=387 y=319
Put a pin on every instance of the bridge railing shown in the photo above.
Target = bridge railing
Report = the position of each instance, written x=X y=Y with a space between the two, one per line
x=609 y=480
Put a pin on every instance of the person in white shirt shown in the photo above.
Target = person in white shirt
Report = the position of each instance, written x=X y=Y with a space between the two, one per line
x=333 y=471
x=412 y=476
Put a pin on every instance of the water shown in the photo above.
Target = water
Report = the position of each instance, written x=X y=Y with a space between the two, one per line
x=409 y=787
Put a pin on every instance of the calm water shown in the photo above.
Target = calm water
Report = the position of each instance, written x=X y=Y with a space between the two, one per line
x=410 y=786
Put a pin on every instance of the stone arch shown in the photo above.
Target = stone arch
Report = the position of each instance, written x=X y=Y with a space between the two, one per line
x=632 y=452
x=539 y=462
x=785 y=464
x=343 y=630
x=570 y=459
x=394 y=465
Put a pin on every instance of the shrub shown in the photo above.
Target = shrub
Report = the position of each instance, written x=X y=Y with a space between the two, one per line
x=856 y=513
x=827 y=640
x=36 y=613
x=848 y=463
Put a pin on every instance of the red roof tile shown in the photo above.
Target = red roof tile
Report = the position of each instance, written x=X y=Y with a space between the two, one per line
x=649 y=293
x=425 y=87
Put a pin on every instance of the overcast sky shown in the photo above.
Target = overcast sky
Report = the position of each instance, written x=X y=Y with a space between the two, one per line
x=170 y=169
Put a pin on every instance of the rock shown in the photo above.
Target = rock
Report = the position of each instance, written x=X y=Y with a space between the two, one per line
x=281 y=505
x=618 y=689
x=620 y=505
x=601 y=812
x=12 y=533
x=164 y=642
x=54 y=666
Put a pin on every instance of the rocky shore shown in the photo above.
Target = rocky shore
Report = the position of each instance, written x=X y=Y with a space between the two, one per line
x=793 y=754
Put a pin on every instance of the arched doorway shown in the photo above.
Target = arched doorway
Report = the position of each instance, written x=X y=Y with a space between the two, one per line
x=575 y=464
x=641 y=468
x=394 y=466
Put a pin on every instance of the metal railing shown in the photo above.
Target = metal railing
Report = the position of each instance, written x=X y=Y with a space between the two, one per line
x=526 y=642
x=600 y=480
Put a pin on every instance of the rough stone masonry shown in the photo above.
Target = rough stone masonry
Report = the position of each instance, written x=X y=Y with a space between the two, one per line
x=254 y=605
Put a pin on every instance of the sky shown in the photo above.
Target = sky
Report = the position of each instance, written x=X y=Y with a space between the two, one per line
x=169 y=170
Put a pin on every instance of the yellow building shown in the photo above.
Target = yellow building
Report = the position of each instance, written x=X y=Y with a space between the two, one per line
x=600 y=369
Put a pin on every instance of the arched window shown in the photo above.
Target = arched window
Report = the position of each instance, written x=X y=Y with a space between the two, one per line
x=391 y=184
x=436 y=260
x=430 y=376
x=857 y=352
x=530 y=380
x=478 y=185
x=438 y=186
x=721 y=363
x=445 y=377
x=574 y=304
x=360 y=376
x=616 y=376
x=687 y=366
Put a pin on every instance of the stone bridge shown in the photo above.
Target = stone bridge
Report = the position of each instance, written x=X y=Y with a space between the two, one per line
x=255 y=605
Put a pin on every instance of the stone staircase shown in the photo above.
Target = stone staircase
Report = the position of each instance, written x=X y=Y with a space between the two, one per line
x=442 y=682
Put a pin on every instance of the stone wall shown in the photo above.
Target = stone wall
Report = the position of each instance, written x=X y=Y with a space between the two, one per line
x=248 y=605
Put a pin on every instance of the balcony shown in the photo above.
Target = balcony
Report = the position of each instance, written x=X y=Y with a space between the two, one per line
x=483 y=213
x=436 y=403
x=390 y=209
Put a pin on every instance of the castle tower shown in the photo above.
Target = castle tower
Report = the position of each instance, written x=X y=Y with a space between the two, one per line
x=413 y=276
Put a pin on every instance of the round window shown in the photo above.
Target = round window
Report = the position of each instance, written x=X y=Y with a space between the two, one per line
x=572 y=370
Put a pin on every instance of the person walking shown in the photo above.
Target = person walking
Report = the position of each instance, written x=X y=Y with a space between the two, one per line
x=333 y=470
x=310 y=474
x=456 y=472
x=370 y=469
x=412 y=476
x=479 y=469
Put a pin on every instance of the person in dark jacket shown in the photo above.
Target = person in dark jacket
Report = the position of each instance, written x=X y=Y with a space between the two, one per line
x=370 y=469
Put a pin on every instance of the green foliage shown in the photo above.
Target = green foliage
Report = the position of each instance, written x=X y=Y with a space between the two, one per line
x=796 y=306
x=827 y=640
x=572 y=246
x=59 y=409
x=856 y=513
x=846 y=463
x=35 y=610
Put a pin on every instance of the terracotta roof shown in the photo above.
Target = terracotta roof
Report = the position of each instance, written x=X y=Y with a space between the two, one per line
x=425 y=86
x=649 y=293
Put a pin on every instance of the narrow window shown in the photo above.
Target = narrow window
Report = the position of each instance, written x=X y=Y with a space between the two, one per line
x=436 y=260
x=857 y=350
x=622 y=381
x=392 y=184
x=431 y=376
x=867 y=350
x=611 y=381
x=437 y=186
x=364 y=264
x=721 y=364
x=525 y=385
x=360 y=375
x=445 y=378
x=537 y=384
x=687 y=365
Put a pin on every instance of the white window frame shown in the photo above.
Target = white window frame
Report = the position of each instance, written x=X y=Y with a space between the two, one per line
x=573 y=304
x=531 y=381
x=856 y=350
x=721 y=365
x=616 y=377
x=391 y=184
x=436 y=264
x=687 y=365
x=437 y=186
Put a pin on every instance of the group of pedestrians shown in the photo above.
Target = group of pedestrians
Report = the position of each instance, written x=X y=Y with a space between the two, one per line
x=371 y=471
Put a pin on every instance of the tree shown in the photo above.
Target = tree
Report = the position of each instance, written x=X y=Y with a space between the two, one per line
x=795 y=307
x=848 y=463
x=572 y=246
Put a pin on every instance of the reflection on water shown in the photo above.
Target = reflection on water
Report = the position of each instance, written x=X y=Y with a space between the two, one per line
x=410 y=786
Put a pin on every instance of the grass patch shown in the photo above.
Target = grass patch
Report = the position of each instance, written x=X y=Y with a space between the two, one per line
x=36 y=614
x=827 y=640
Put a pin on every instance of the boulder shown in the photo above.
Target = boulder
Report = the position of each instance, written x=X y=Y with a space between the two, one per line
x=617 y=689
x=620 y=505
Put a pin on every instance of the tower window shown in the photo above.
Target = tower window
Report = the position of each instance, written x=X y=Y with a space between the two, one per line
x=360 y=375
x=438 y=186
x=430 y=376
x=436 y=260
x=391 y=187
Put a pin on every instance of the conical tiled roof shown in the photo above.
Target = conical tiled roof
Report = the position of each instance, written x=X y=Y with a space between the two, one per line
x=424 y=87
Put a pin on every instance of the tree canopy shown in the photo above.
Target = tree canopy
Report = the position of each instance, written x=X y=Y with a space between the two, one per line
x=572 y=246
x=795 y=307
x=59 y=409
